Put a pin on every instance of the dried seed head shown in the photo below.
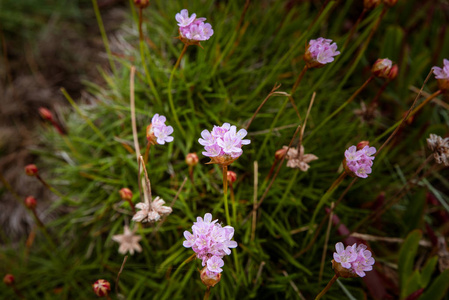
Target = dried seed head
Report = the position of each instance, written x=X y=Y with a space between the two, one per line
x=192 y=159
x=440 y=148
x=30 y=202
x=101 y=288
x=9 y=279
x=31 y=170
x=45 y=114
x=141 y=3
x=126 y=194
x=232 y=176
x=371 y=4
x=209 y=278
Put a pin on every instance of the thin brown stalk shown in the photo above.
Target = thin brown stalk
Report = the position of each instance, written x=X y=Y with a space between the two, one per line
x=301 y=135
x=133 y=112
x=256 y=186
x=328 y=286
x=298 y=80
x=207 y=294
x=147 y=152
x=120 y=272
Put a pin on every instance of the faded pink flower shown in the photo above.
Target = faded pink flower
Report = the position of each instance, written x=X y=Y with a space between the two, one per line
x=128 y=241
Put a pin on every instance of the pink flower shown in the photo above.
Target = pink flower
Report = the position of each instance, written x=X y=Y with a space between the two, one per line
x=442 y=73
x=158 y=132
x=322 y=51
x=345 y=256
x=193 y=29
x=184 y=19
x=359 y=162
x=210 y=241
x=355 y=258
x=162 y=134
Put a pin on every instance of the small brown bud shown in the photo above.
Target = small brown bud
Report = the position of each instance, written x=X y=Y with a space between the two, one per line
x=279 y=154
x=390 y=3
x=9 y=279
x=371 y=4
x=31 y=170
x=126 y=194
x=101 y=288
x=209 y=279
x=232 y=176
x=192 y=159
x=45 y=114
x=362 y=145
x=141 y=3
x=30 y=202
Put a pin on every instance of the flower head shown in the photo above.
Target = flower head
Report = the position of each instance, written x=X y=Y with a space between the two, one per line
x=440 y=148
x=211 y=242
x=126 y=194
x=223 y=144
x=158 y=132
x=128 y=241
x=384 y=68
x=442 y=76
x=141 y=3
x=320 y=52
x=31 y=170
x=151 y=212
x=353 y=261
x=101 y=288
x=359 y=162
x=192 y=30
x=298 y=160
x=9 y=279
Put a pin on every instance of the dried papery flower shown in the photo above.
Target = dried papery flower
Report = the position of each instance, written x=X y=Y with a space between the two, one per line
x=232 y=176
x=158 y=132
x=320 y=52
x=384 y=68
x=141 y=3
x=31 y=170
x=223 y=144
x=45 y=114
x=209 y=278
x=442 y=75
x=211 y=242
x=359 y=162
x=192 y=30
x=128 y=241
x=9 y=279
x=390 y=3
x=299 y=160
x=192 y=159
x=440 y=148
x=30 y=202
x=353 y=261
x=126 y=194
x=371 y=4
x=151 y=212
x=101 y=288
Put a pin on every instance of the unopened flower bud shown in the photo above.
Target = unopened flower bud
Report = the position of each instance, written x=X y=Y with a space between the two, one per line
x=382 y=68
x=371 y=4
x=279 y=154
x=141 y=3
x=101 y=287
x=362 y=145
x=192 y=159
x=126 y=194
x=340 y=271
x=45 y=114
x=209 y=278
x=232 y=177
x=30 y=202
x=31 y=170
x=393 y=72
x=9 y=279
x=390 y=3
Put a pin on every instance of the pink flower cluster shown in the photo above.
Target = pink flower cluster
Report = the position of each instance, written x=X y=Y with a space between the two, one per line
x=322 y=50
x=355 y=258
x=360 y=161
x=193 y=28
x=224 y=140
x=160 y=130
x=211 y=242
x=442 y=73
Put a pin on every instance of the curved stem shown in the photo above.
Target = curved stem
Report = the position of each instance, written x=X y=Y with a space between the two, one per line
x=170 y=96
x=328 y=286
x=225 y=193
x=298 y=80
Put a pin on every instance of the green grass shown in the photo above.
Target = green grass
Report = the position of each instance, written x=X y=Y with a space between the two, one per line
x=226 y=83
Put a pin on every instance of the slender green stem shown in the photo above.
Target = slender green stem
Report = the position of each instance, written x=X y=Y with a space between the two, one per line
x=170 y=95
x=103 y=35
x=328 y=286
x=145 y=68
x=225 y=193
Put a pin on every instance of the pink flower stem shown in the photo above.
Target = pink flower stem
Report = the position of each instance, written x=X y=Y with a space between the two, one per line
x=132 y=205
x=207 y=294
x=147 y=152
x=328 y=286
x=298 y=80
x=169 y=88
x=225 y=193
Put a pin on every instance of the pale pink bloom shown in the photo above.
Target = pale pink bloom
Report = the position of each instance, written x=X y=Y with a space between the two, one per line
x=323 y=50
x=128 y=241
x=184 y=19
x=214 y=264
x=442 y=73
x=360 y=161
x=345 y=256
x=163 y=134
x=355 y=258
x=192 y=28
x=158 y=132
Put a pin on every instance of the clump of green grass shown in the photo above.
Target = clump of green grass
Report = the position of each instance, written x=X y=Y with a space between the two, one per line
x=226 y=82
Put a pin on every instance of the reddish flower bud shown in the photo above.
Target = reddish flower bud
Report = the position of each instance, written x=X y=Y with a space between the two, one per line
x=45 y=114
x=192 y=159
x=383 y=67
x=371 y=4
x=209 y=279
x=126 y=194
x=101 y=287
x=152 y=139
x=30 y=202
x=390 y=3
x=362 y=145
x=31 y=170
x=232 y=177
x=279 y=154
x=393 y=72
x=141 y=3
x=9 y=279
